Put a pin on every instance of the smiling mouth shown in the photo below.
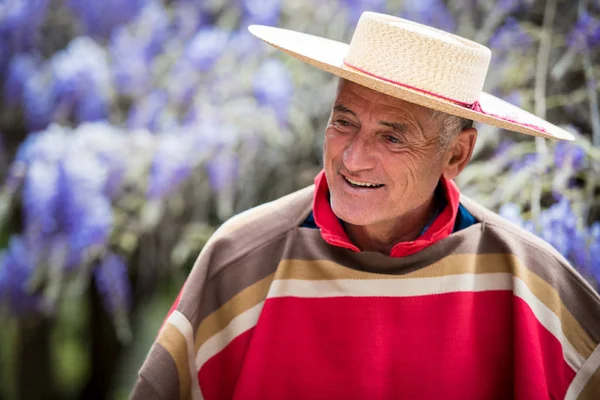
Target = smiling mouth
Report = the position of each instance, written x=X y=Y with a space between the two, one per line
x=362 y=185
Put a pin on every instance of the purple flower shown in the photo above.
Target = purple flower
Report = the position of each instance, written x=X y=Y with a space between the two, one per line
x=38 y=102
x=510 y=37
x=44 y=149
x=93 y=225
x=528 y=161
x=109 y=147
x=594 y=250
x=134 y=47
x=86 y=213
x=47 y=146
x=222 y=170
x=100 y=18
x=187 y=18
x=20 y=21
x=567 y=153
x=264 y=12
x=205 y=48
x=41 y=199
x=172 y=164
x=586 y=33
x=16 y=270
x=559 y=226
x=112 y=283
x=430 y=12
x=20 y=69
x=244 y=44
x=579 y=255
x=82 y=80
x=183 y=83
x=146 y=113
x=356 y=7
x=273 y=87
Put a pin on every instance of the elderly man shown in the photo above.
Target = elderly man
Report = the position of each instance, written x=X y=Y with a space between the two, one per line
x=381 y=281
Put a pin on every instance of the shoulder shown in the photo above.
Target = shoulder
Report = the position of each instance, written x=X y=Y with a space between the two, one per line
x=502 y=236
x=259 y=226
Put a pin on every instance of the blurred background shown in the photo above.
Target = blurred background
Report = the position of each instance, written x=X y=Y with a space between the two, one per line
x=131 y=129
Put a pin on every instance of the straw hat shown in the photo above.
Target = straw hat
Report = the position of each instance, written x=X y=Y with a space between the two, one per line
x=416 y=63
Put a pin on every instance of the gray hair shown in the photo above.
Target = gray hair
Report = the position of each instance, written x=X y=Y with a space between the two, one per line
x=450 y=127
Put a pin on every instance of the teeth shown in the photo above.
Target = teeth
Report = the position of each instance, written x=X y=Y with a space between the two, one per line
x=364 y=184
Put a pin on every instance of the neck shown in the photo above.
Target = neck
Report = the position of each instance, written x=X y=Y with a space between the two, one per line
x=382 y=236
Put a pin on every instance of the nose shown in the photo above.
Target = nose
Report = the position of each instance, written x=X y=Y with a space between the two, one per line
x=358 y=154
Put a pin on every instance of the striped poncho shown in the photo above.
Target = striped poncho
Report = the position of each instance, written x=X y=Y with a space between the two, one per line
x=273 y=311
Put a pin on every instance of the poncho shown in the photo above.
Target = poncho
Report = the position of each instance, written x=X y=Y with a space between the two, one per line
x=273 y=311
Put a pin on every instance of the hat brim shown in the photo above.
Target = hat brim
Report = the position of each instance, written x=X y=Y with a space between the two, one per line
x=329 y=55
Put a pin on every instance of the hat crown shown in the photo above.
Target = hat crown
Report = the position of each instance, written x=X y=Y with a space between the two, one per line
x=419 y=56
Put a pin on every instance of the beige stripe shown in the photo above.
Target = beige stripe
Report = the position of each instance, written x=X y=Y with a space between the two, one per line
x=238 y=304
x=588 y=376
x=453 y=265
x=236 y=327
x=550 y=321
x=173 y=341
x=183 y=325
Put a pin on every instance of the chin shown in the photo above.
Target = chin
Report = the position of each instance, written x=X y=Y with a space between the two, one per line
x=352 y=215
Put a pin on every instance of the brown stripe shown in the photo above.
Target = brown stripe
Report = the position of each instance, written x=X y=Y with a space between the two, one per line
x=591 y=391
x=174 y=343
x=243 y=301
x=158 y=377
x=239 y=275
x=452 y=265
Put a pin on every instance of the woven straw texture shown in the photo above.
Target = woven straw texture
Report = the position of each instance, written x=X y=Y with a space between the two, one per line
x=420 y=56
x=416 y=63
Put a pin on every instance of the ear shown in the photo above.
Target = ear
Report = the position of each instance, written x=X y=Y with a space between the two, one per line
x=459 y=153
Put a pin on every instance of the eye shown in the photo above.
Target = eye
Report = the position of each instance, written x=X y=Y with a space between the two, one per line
x=343 y=122
x=393 y=139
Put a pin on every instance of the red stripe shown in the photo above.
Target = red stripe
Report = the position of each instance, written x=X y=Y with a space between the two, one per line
x=540 y=369
x=219 y=374
x=485 y=345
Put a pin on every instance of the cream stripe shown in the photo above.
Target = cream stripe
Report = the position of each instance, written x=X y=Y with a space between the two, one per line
x=550 y=321
x=387 y=288
x=584 y=375
x=179 y=320
x=236 y=327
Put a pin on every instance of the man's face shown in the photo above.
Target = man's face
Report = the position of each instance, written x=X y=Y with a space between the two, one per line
x=387 y=143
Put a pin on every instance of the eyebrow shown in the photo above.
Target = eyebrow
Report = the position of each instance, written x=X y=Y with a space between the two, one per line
x=344 y=109
x=395 y=126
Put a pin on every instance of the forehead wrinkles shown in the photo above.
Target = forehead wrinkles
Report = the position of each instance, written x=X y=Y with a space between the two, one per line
x=369 y=104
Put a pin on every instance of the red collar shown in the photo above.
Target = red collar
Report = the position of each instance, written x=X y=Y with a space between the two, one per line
x=333 y=232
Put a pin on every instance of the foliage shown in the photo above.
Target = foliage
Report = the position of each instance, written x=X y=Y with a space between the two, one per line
x=133 y=128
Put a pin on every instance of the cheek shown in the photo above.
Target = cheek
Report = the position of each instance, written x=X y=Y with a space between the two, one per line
x=411 y=171
x=333 y=146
